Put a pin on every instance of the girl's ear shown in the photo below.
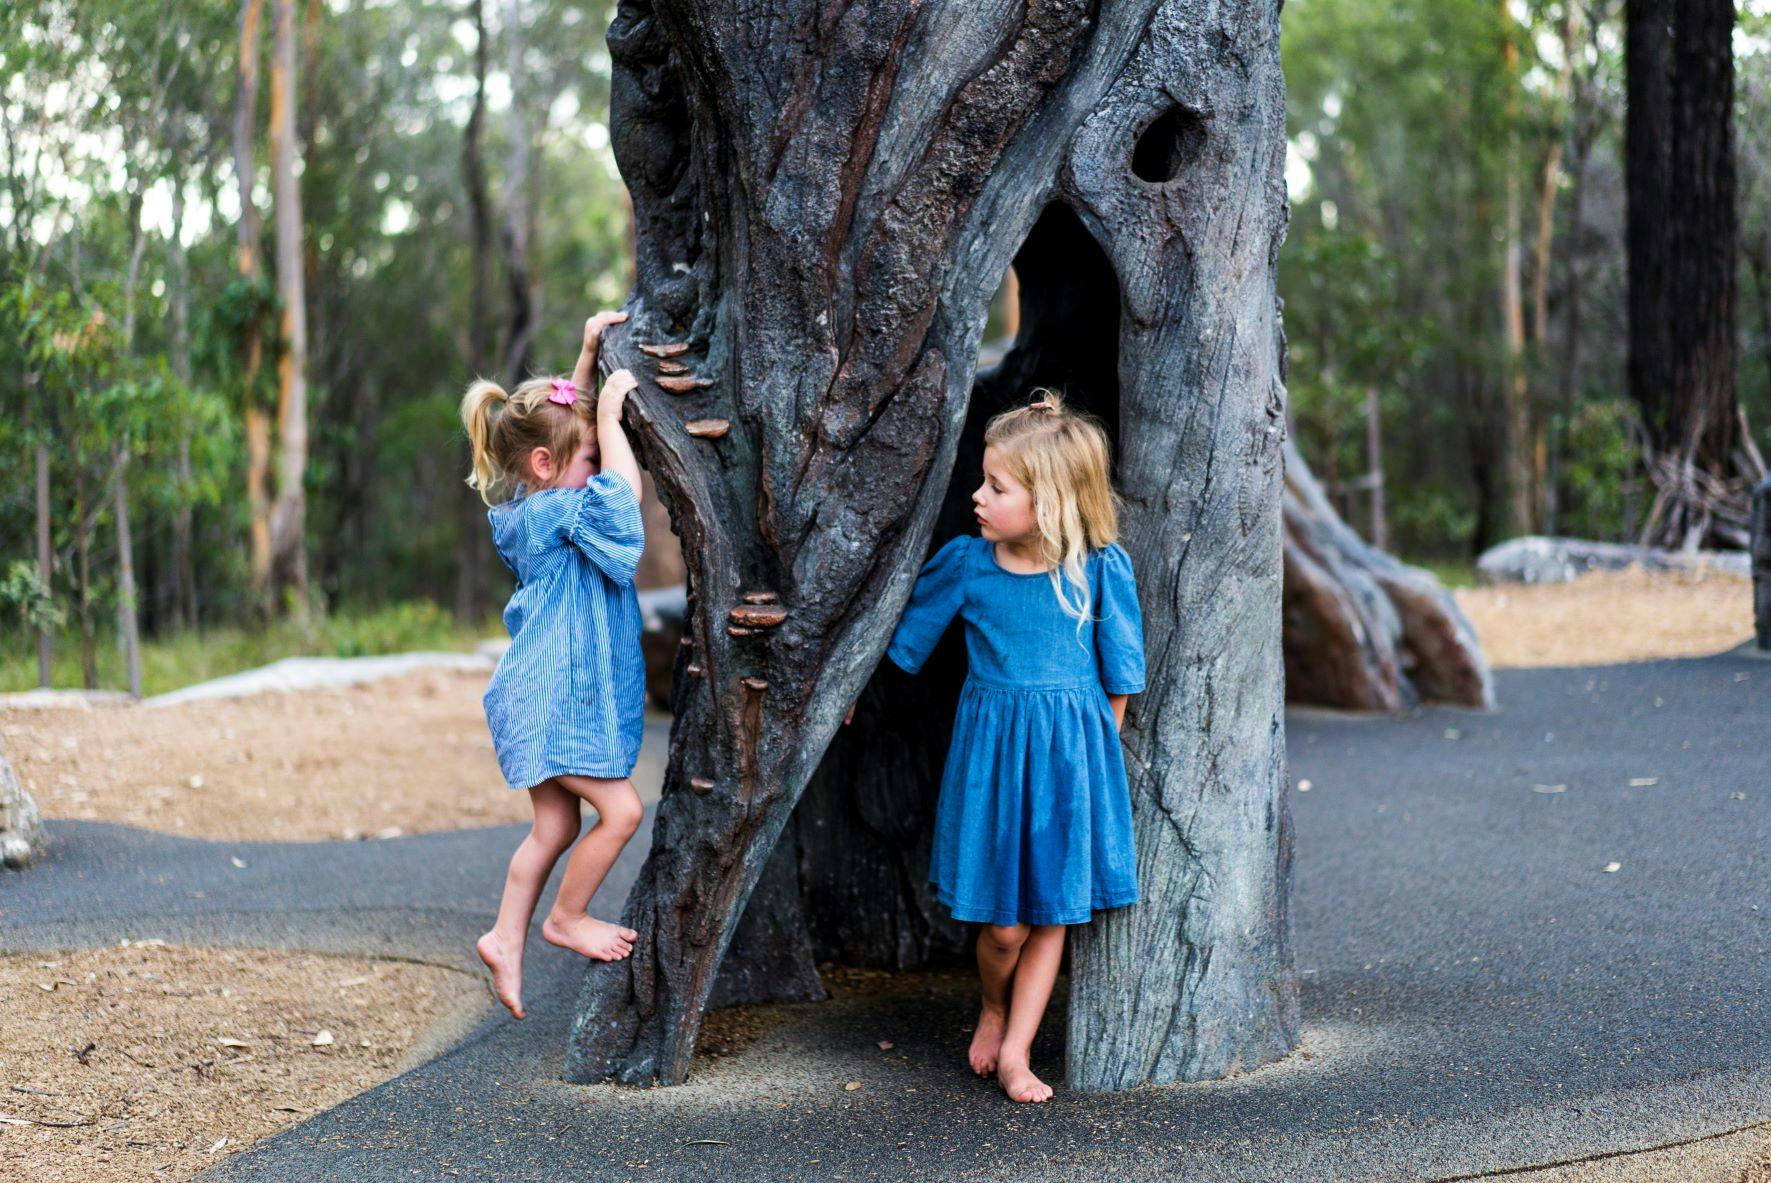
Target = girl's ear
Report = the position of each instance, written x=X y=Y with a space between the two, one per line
x=541 y=463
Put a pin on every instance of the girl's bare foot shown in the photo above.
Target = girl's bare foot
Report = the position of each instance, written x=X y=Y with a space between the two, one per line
x=592 y=938
x=507 y=972
x=987 y=1040
x=1018 y=1081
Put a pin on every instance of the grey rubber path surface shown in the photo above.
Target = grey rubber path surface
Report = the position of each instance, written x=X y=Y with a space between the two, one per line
x=1479 y=994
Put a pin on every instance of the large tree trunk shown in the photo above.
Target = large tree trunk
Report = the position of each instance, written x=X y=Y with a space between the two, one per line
x=289 y=510
x=825 y=202
x=1681 y=231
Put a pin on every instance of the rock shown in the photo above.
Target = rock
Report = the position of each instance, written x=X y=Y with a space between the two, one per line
x=1537 y=559
x=21 y=826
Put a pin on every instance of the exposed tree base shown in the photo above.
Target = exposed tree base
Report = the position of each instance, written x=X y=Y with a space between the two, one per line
x=1364 y=631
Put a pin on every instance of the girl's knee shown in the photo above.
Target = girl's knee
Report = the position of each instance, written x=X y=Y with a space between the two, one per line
x=1007 y=937
x=554 y=834
x=622 y=812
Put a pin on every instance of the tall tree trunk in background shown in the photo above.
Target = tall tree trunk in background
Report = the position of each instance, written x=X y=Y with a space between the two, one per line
x=1515 y=394
x=1584 y=123
x=184 y=580
x=45 y=563
x=822 y=244
x=470 y=582
x=128 y=619
x=1549 y=175
x=516 y=235
x=289 y=511
x=1682 y=232
x=83 y=560
x=257 y=418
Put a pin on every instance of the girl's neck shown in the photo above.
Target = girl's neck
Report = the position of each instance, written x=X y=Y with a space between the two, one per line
x=1023 y=555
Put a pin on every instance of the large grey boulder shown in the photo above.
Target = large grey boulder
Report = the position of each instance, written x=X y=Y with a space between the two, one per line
x=1537 y=559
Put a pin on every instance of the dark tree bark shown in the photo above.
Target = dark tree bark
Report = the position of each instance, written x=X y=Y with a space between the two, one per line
x=826 y=198
x=1681 y=229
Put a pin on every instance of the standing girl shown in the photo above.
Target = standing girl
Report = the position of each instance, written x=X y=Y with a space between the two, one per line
x=1033 y=828
x=567 y=701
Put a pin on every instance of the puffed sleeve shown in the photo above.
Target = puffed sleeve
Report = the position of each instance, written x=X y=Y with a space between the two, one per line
x=1119 y=624
x=934 y=601
x=602 y=520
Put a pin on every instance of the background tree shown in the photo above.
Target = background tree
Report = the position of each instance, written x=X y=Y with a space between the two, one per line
x=1683 y=235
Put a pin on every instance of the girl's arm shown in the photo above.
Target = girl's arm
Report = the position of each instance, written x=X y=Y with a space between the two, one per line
x=585 y=370
x=617 y=453
x=1117 y=702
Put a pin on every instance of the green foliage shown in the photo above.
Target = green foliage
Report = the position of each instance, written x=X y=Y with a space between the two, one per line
x=24 y=598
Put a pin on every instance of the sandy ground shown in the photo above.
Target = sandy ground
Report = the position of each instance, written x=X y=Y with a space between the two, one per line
x=150 y=1061
x=401 y=756
x=1610 y=617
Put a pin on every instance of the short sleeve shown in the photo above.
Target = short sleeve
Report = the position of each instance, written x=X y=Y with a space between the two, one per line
x=934 y=601
x=602 y=520
x=1119 y=624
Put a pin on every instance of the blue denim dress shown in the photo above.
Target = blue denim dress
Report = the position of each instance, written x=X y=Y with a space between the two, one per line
x=1033 y=824
x=569 y=695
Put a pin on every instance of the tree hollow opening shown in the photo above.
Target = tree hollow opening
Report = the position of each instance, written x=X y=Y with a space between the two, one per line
x=1171 y=142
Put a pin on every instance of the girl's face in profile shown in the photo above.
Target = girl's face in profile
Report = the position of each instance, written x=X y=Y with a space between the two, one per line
x=1004 y=506
x=578 y=469
x=582 y=466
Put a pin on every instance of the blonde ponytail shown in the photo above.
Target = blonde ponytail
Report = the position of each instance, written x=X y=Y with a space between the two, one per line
x=478 y=405
x=504 y=429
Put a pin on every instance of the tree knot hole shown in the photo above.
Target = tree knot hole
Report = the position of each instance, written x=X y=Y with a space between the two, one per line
x=1169 y=144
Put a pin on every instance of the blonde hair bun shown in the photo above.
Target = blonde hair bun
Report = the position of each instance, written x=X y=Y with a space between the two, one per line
x=1065 y=459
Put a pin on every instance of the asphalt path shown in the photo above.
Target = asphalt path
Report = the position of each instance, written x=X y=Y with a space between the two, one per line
x=1479 y=992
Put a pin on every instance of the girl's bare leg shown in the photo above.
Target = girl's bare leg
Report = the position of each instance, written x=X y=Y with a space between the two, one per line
x=619 y=813
x=555 y=826
x=999 y=948
x=1035 y=974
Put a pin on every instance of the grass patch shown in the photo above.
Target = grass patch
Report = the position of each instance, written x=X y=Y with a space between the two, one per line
x=183 y=659
x=1451 y=573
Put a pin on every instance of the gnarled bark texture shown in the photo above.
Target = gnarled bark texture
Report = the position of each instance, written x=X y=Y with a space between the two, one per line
x=826 y=197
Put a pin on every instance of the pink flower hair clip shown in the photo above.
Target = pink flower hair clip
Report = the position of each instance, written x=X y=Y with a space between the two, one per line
x=564 y=393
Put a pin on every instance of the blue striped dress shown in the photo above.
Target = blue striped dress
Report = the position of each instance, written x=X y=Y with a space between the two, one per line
x=569 y=695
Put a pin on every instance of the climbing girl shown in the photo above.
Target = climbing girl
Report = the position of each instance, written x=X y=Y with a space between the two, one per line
x=1033 y=827
x=566 y=703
